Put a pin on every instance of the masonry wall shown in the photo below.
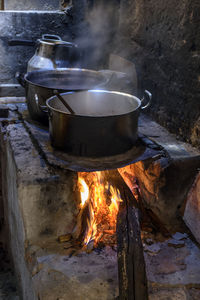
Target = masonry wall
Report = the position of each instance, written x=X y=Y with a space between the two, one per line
x=31 y=5
x=163 y=39
x=30 y=26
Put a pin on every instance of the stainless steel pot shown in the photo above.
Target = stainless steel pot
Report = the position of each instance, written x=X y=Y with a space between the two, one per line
x=105 y=122
x=44 y=82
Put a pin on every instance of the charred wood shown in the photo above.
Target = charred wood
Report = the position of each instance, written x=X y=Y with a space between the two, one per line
x=131 y=264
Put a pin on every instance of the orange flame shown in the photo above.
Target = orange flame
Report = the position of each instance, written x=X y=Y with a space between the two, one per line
x=84 y=191
x=102 y=200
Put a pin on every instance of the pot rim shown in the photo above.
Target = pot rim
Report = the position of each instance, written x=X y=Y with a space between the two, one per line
x=95 y=90
x=61 y=71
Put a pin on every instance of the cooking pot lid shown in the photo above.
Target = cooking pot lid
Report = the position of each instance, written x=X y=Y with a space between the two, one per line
x=66 y=79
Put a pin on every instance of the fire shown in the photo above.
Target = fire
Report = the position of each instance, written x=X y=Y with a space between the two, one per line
x=84 y=191
x=101 y=200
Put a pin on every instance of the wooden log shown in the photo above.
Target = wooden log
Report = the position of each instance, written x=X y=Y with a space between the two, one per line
x=1 y=4
x=65 y=238
x=81 y=226
x=131 y=264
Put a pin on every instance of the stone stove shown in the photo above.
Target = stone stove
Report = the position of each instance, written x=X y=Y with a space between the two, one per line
x=40 y=205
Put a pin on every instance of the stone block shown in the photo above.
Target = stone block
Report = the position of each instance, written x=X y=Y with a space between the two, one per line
x=162 y=40
x=194 y=294
x=31 y=211
x=40 y=204
x=163 y=184
x=170 y=267
x=172 y=294
x=192 y=209
x=31 y=5
x=86 y=276
x=11 y=90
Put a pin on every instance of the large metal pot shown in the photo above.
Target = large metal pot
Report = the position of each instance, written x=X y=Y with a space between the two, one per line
x=41 y=84
x=105 y=122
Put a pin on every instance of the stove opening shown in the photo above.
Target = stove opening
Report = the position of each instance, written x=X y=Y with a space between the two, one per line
x=99 y=207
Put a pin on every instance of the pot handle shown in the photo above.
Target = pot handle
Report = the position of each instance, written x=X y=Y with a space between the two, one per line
x=43 y=108
x=148 y=96
x=20 y=42
x=20 y=79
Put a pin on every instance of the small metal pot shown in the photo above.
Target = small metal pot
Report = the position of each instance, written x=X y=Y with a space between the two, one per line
x=105 y=123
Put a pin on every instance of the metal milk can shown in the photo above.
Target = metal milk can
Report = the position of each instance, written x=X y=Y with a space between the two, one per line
x=51 y=53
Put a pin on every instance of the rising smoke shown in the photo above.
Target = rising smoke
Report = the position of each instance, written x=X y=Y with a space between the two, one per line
x=96 y=32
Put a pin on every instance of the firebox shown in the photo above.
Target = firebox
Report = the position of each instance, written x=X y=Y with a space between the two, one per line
x=98 y=227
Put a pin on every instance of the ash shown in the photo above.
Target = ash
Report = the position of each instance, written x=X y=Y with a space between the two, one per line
x=88 y=276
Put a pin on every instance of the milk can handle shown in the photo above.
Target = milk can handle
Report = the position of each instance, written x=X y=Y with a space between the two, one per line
x=51 y=37
x=64 y=43
x=147 y=96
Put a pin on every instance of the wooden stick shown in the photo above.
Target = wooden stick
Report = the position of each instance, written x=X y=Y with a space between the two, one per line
x=64 y=102
x=131 y=264
x=1 y=4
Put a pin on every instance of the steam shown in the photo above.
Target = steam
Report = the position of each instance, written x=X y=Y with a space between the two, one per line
x=96 y=27
x=96 y=35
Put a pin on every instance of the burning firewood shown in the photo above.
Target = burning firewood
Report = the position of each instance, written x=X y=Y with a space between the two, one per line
x=65 y=238
x=99 y=202
x=131 y=265
x=81 y=225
